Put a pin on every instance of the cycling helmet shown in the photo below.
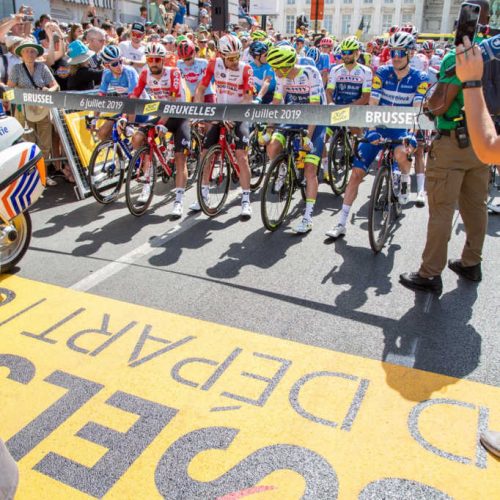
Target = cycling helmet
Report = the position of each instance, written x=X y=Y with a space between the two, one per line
x=243 y=34
x=230 y=45
x=257 y=48
x=283 y=43
x=351 y=43
x=402 y=40
x=393 y=29
x=110 y=53
x=314 y=54
x=185 y=50
x=155 y=50
x=428 y=45
x=409 y=28
x=282 y=57
x=326 y=42
x=258 y=35
x=180 y=39
x=440 y=52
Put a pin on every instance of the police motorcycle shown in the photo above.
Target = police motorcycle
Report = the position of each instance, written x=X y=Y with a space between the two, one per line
x=22 y=181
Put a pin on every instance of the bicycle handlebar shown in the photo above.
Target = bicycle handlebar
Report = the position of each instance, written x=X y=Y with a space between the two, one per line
x=383 y=141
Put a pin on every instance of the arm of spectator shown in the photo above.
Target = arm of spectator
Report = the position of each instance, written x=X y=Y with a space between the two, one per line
x=7 y=24
x=485 y=141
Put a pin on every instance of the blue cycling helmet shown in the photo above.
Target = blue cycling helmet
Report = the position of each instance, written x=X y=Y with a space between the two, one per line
x=257 y=48
x=110 y=53
x=283 y=43
x=313 y=53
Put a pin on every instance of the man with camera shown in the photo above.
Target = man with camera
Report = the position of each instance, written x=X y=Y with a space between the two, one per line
x=454 y=175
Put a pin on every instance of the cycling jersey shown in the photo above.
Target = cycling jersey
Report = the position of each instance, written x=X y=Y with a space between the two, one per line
x=420 y=62
x=305 y=88
x=231 y=85
x=260 y=73
x=348 y=86
x=167 y=84
x=194 y=74
x=393 y=92
x=123 y=85
x=305 y=61
x=324 y=63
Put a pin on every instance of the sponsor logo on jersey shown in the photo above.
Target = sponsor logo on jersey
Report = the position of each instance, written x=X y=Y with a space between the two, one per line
x=377 y=83
x=422 y=88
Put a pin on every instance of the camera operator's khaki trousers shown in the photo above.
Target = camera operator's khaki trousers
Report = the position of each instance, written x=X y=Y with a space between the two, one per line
x=9 y=475
x=454 y=176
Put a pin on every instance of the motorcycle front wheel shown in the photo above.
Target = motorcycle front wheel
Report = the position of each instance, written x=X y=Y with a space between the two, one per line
x=14 y=242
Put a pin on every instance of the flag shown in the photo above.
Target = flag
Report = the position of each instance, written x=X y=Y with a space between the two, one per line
x=360 y=28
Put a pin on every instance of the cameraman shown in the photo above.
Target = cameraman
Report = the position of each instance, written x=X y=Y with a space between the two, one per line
x=485 y=141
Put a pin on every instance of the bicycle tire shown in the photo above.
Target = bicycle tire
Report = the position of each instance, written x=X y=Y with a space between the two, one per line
x=134 y=182
x=114 y=182
x=339 y=163
x=270 y=194
x=378 y=236
x=193 y=159
x=257 y=160
x=220 y=179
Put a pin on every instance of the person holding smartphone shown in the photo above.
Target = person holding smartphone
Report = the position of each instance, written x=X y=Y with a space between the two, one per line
x=455 y=175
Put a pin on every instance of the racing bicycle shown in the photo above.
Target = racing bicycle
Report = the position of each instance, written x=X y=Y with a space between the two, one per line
x=340 y=157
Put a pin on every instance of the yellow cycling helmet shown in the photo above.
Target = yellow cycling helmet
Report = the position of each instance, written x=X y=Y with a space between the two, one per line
x=281 y=57
x=258 y=35
x=351 y=43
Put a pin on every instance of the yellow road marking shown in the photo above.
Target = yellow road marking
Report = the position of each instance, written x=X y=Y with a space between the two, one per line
x=235 y=414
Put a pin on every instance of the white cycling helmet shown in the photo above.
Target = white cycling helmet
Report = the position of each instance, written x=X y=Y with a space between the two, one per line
x=401 y=40
x=230 y=45
x=155 y=49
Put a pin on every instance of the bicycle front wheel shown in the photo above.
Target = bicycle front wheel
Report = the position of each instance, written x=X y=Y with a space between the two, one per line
x=215 y=172
x=141 y=178
x=339 y=161
x=379 y=209
x=277 y=193
x=257 y=159
x=106 y=172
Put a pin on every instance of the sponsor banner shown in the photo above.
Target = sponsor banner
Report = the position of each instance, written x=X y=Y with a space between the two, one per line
x=106 y=399
x=356 y=116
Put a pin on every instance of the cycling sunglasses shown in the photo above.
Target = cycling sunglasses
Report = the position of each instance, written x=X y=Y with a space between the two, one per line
x=115 y=64
x=232 y=58
x=155 y=59
x=348 y=52
x=399 y=53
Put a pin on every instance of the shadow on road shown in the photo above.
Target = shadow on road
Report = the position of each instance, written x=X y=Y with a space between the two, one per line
x=435 y=336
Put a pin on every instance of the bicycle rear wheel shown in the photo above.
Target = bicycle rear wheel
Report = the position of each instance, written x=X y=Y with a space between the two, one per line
x=217 y=167
x=106 y=172
x=193 y=159
x=379 y=209
x=142 y=172
x=257 y=159
x=277 y=193
x=339 y=161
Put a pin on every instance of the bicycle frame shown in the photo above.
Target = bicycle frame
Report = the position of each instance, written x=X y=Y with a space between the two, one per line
x=225 y=147
x=155 y=150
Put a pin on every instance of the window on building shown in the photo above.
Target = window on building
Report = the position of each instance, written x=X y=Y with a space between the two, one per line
x=329 y=1
x=328 y=23
x=388 y=1
x=386 y=22
x=290 y=2
x=347 y=1
x=367 y=22
x=368 y=1
x=406 y=18
x=346 y=24
x=308 y=2
x=290 y=24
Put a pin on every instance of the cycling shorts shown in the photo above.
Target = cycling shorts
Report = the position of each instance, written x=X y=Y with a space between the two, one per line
x=318 y=140
x=241 y=131
x=180 y=128
x=367 y=152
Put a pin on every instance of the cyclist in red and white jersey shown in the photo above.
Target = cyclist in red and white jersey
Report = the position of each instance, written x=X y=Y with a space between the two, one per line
x=234 y=84
x=165 y=83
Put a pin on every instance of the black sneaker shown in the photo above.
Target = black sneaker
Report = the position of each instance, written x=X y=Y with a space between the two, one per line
x=414 y=281
x=472 y=273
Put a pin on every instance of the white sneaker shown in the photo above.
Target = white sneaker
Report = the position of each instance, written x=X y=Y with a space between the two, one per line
x=304 y=226
x=176 y=210
x=404 y=194
x=98 y=178
x=246 y=210
x=495 y=209
x=195 y=206
x=420 y=202
x=146 y=193
x=336 y=232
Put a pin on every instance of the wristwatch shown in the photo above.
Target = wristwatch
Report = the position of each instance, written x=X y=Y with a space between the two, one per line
x=472 y=84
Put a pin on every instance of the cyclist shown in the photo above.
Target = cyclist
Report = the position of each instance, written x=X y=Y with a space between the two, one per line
x=321 y=61
x=234 y=85
x=299 y=85
x=326 y=47
x=165 y=83
x=264 y=77
x=395 y=84
x=117 y=79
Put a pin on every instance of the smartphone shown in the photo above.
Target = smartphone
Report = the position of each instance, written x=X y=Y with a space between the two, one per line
x=467 y=22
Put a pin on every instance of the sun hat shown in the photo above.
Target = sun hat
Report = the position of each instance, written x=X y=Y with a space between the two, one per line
x=78 y=52
x=28 y=42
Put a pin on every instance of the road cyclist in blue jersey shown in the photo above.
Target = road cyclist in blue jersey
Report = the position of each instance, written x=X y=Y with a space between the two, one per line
x=393 y=85
x=299 y=85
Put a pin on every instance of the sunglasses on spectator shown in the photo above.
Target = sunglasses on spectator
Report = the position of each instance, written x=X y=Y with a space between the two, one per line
x=348 y=52
x=115 y=64
x=137 y=34
x=202 y=41
x=155 y=59
x=399 y=53
x=232 y=58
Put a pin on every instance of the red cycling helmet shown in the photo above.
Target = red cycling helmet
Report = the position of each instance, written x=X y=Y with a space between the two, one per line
x=393 y=30
x=186 y=49
x=326 y=42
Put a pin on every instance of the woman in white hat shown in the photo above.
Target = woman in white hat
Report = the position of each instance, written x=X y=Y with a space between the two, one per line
x=32 y=74
x=82 y=76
